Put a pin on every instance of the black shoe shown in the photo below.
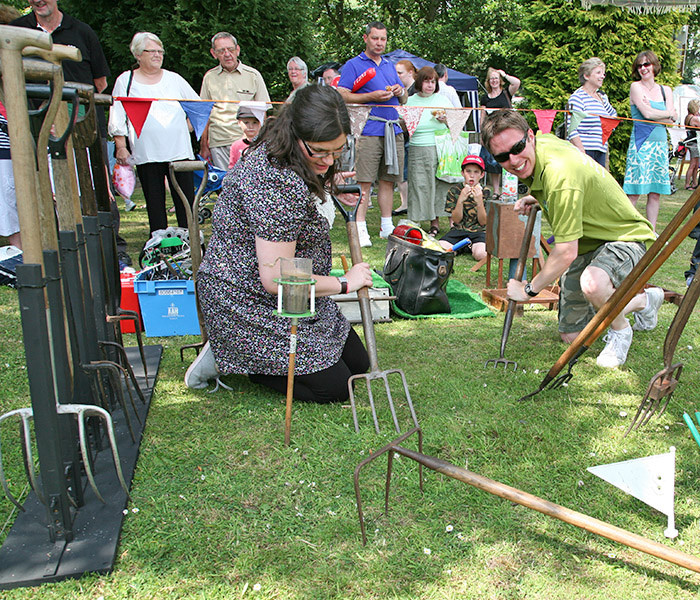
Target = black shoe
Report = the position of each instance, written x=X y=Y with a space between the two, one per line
x=695 y=233
x=398 y=212
x=123 y=257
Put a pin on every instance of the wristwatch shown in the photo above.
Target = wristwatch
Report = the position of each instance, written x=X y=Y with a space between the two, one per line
x=343 y=285
x=529 y=291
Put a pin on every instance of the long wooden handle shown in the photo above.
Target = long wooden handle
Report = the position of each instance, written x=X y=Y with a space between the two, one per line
x=56 y=54
x=631 y=285
x=555 y=510
x=363 y=298
x=12 y=40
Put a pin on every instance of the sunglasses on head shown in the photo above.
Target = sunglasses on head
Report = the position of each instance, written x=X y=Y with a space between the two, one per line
x=646 y=64
x=516 y=149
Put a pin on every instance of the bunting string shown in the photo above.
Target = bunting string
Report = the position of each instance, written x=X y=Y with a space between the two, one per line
x=198 y=112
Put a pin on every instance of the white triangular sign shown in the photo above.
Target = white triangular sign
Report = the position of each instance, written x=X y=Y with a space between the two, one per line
x=650 y=479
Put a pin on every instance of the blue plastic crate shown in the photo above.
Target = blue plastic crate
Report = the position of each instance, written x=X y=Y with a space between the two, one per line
x=167 y=307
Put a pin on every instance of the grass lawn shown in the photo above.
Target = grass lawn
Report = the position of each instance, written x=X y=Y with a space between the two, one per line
x=225 y=510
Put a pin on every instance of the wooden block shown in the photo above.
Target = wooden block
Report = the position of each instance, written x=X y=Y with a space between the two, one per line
x=504 y=231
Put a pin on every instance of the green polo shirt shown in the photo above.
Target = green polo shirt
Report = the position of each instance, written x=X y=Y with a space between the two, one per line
x=581 y=200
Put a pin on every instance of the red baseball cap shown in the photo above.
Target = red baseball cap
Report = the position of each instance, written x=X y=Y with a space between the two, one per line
x=472 y=159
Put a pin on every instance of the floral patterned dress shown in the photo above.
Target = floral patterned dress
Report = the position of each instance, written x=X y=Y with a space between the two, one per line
x=261 y=199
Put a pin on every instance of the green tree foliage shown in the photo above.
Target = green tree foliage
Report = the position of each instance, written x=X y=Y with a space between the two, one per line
x=558 y=35
x=692 y=55
x=268 y=31
x=465 y=35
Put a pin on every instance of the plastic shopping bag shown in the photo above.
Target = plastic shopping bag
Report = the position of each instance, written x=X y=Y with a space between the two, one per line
x=450 y=156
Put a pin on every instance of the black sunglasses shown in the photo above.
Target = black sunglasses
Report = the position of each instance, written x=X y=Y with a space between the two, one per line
x=646 y=64
x=516 y=149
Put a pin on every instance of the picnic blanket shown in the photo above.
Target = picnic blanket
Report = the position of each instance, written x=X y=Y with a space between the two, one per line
x=464 y=303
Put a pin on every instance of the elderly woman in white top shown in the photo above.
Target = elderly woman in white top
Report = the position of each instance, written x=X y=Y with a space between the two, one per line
x=298 y=74
x=588 y=136
x=165 y=136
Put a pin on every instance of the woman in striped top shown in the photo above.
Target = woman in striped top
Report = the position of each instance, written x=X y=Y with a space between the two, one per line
x=588 y=136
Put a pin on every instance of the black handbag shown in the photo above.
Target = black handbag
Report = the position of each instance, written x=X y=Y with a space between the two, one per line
x=418 y=276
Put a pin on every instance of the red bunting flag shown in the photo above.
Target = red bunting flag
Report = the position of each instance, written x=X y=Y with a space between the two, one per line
x=136 y=110
x=545 y=119
x=608 y=124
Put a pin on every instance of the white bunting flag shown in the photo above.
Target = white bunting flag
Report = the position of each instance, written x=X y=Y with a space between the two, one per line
x=650 y=479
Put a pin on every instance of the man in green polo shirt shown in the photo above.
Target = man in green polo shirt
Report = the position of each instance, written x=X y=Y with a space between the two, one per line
x=599 y=235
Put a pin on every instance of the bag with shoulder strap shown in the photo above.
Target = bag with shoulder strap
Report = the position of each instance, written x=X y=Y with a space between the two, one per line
x=418 y=276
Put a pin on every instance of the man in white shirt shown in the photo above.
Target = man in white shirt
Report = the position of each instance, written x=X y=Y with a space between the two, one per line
x=447 y=90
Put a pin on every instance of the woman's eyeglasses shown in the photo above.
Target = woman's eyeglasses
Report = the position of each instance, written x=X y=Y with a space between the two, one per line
x=646 y=64
x=316 y=154
x=516 y=149
x=161 y=52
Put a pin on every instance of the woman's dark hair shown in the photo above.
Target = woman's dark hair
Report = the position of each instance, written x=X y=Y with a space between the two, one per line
x=642 y=57
x=316 y=114
x=423 y=75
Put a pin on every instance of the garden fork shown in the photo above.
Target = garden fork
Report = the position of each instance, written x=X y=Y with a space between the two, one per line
x=375 y=373
x=667 y=242
x=82 y=412
x=663 y=384
x=508 y=321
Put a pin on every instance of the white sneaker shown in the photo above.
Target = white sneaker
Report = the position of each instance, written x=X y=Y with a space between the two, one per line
x=365 y=242
x=616 y=348
x=646 y=319
x=385 y=233
x=129 y=205
x=202 y=370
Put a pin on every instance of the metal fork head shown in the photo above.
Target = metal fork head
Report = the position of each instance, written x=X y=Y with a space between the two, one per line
x=82 y=411
x=561 y=380
x=502 y=361
x=383 y=376
x=661 y=387
x=26 y=415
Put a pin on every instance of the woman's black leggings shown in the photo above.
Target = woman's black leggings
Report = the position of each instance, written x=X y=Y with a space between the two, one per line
x=328 y=385
x=152 y=177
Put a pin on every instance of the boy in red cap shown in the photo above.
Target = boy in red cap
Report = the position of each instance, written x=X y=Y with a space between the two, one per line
x=466 y=203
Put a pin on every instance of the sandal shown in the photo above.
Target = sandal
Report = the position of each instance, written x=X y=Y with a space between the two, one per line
x=434 y=231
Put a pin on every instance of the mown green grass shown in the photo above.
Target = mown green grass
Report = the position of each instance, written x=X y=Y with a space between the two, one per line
x=223 y=505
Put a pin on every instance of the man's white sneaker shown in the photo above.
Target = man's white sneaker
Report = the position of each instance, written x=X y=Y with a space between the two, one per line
x=385 y=233
x=616 y=348
x=202 y=370
x=365 y=242
x=646 y=319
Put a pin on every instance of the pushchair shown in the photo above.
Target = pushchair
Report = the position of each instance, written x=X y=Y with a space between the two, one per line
x=215 y=178
x=675 y=161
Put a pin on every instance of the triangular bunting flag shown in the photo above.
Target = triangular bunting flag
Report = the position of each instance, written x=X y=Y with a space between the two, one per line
x=650 y=479
x=358 y=118
x=576 y=117
x=641 y=132
x=411 y=116
x=198 y=114
x=545 y=119
x=136 y=110
x=608 y=124
x=456 y=118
